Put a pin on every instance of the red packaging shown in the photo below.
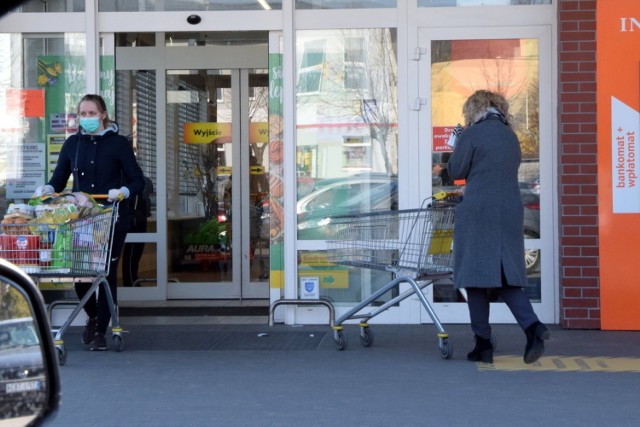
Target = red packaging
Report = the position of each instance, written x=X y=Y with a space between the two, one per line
x=22 y=250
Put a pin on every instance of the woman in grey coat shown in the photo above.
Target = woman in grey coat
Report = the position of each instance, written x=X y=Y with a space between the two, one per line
x=489 y=225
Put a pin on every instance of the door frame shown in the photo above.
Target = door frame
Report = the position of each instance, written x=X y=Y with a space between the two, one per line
x=160 y=58
x=458 y=312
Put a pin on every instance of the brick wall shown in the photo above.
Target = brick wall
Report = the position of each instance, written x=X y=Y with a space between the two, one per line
x=578 y=168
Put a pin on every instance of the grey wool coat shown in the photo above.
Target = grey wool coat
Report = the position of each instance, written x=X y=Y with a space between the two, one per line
x=488 y=231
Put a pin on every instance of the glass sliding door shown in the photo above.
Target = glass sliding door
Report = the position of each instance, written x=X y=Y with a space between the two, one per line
x=197 y=107
x=217 y=186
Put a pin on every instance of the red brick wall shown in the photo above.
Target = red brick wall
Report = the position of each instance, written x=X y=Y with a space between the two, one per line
x=578 y=168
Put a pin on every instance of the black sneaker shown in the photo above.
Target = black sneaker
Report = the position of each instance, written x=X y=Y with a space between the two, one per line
x=89 y=330
x=99 y=342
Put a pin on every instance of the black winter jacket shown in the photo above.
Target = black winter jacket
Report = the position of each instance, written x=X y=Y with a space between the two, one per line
x=98 y=164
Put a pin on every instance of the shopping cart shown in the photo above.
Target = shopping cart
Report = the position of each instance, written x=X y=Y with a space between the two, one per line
x=76 y=250
x=415 y=245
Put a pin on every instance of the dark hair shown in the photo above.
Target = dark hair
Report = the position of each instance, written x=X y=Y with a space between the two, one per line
x=102 y=106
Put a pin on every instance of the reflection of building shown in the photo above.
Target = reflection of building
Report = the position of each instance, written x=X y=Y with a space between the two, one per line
x=344 y=101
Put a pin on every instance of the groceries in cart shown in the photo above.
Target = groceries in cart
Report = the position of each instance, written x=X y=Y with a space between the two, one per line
x=54 y=233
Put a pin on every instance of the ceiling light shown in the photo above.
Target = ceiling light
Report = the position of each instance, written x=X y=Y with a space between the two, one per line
x=264 y=4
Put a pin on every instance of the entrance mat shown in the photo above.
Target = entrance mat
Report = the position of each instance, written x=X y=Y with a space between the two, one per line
x=165 y=338
x=184 y=338
x=290 y=340
x=193 y=311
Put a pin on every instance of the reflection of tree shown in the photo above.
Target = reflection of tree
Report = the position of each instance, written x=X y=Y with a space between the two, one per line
x=523 y=101
x=358 y=84
x=508 y=68
x=258 y=109
x=527 y=120
x=202 y=162
x=12 y=303
x=382 y=115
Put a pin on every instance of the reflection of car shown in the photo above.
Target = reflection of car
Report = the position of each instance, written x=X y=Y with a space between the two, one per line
x=530 y=196
x=344 y=196
x=23 y=372
x=531 y=200
x=378 y=192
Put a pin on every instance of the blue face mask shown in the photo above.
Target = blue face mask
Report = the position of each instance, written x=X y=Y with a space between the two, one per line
x=90 y=124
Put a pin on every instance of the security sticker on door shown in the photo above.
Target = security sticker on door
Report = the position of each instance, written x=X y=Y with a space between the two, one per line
x=309 y=288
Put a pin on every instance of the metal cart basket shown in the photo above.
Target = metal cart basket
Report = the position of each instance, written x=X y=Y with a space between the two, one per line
x=415 y=245
x=77 y=250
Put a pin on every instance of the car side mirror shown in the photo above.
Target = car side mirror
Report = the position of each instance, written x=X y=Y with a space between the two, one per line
x=29 y=372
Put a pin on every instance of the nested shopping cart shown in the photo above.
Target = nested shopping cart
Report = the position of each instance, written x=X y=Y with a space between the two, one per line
x=415 y=245
x=56 y=249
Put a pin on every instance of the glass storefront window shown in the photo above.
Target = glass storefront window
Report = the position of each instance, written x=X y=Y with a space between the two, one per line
x=445 y=3
x=136 y=116
x=39 y=6
x=186 y=5
x=345 y=4
x=212 y=38
x=138 y=265
x=342 y=284
x=507 y=66
x=42 y=79
x=135 y=39
x=346 y=125
x=346 y=108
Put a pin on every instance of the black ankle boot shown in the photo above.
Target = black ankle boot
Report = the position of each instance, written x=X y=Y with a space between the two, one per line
x=536 y=334
x=482 y=352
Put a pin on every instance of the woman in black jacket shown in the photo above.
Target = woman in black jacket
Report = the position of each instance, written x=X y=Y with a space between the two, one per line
x=101 y=162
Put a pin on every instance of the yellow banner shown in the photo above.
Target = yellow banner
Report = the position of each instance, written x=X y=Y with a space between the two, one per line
x=220 y=133
x=258 y=133
x=315 y=259
x=207 y=133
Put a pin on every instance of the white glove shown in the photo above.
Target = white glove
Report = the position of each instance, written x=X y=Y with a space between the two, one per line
x=43 y=190
x=118 y=194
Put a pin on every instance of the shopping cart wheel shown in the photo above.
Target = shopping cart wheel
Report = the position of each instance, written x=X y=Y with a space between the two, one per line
x=366 y=336
x=446 y=349
x=62 y=354
x=340 y=340
x=118 y=343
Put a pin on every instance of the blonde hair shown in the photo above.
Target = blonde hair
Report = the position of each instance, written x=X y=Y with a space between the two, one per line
x=477 y=105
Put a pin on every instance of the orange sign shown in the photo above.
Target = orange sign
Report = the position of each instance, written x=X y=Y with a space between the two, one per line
x=618 y=76
x=26 y=102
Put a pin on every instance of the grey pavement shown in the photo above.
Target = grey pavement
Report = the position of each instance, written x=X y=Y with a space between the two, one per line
x=256 y=375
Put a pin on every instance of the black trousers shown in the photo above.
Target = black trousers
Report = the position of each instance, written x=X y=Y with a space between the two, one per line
x=130 y=262
x=99 y=307
x=479 y=302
